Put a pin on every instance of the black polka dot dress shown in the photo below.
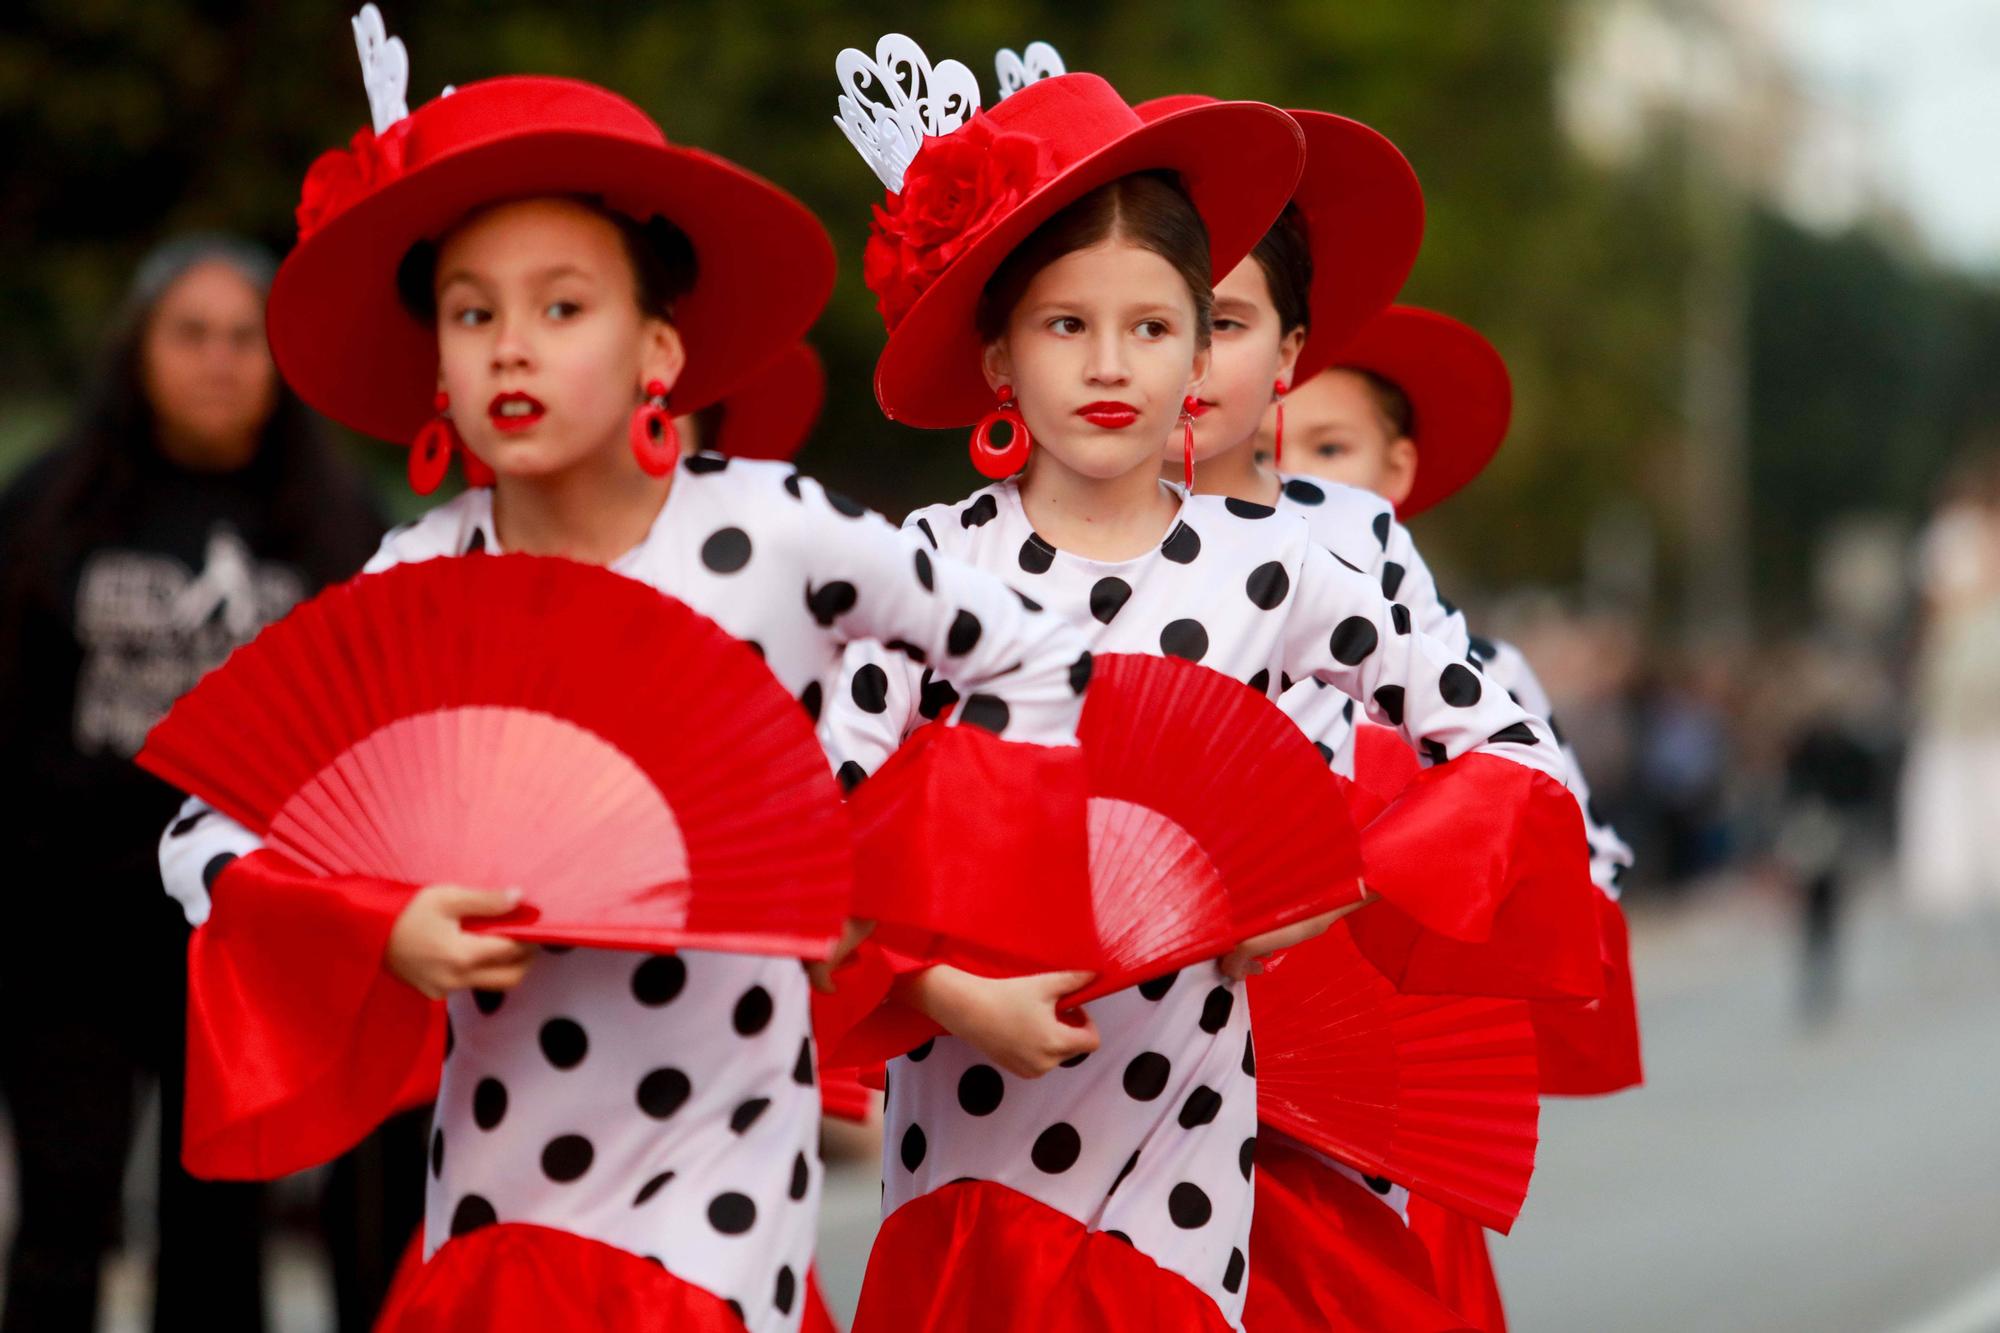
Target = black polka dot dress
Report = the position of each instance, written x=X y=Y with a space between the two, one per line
x=1151 y=1136
x=1360 y=528
x=669 y=1106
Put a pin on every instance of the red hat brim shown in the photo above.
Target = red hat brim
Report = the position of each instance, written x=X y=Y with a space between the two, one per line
x=344 y=340
x=1238 y=162
x=1461 y=397
x=1364 y=218
x=771 y=413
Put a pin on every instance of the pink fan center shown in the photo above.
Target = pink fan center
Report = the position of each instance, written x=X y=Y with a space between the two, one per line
x=1151 y=884
x=492 y=797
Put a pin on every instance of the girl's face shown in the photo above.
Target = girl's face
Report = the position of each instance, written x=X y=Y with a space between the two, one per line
x=1100 y=350
x=1250 y=356
x=1335 y=430
x=207 y=369
x=541 y=342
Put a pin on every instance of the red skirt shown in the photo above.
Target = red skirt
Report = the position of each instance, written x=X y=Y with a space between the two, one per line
x=978 y=1257
x=1326 y=1255
x=516 y=1278
x=818 y=1318
x=1463 y=1265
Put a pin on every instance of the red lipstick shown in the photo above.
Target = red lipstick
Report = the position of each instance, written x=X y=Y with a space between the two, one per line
x=1109 y=415
x=514 y=410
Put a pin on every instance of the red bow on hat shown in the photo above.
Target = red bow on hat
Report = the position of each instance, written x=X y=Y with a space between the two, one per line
x=955 y=189
x=342 y=177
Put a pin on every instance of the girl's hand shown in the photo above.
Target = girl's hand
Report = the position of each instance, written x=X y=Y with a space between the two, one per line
x=1012 y=1021
x=430 y=949
x=821 y=973
x=1247 y=958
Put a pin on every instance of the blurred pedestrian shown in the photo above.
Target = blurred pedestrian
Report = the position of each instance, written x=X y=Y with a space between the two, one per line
x=193 y=501
x=1949 y=857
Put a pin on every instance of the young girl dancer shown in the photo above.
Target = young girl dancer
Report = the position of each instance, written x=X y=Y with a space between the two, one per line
x=1054 y=254
x=528 y=274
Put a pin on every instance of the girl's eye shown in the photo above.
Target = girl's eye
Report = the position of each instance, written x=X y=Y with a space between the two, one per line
x=1153 y=328
x=471 y=316
x=562 y=309
x=1225 y=324
x=1330 y=450
x=1066 y=324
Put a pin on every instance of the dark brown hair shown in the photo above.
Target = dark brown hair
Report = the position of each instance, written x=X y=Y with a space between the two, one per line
x=663 y=264
x=1148 y=208
x=1391 y=402
x=1286 y=257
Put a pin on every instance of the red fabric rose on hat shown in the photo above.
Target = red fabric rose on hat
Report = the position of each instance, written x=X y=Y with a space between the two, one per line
x=956 y=188
x=340 y=177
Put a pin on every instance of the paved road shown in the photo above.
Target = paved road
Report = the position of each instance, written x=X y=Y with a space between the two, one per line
x=1767 y=1179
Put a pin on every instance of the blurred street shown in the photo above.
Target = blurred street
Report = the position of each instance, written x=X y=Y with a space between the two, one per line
x=1769 y=1178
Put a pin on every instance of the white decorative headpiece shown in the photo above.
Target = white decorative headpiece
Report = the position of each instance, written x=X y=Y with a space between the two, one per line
x=1015 y=72
x=385 y=68
x=923 y=101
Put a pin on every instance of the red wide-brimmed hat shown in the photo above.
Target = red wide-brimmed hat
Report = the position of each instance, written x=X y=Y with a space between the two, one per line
x=1460 y=395
x=969 y=196
x=770 y=414
x=1364 y=219
x=342 y=336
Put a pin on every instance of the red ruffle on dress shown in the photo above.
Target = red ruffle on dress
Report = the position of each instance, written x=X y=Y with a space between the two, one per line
x=940 y=1258
x=518 y=1278
x=1590 y=1049
x=299 y=1042
x=1462 y=1263
x=1484 y=872
x=818 y=1319
x=1328 y=1257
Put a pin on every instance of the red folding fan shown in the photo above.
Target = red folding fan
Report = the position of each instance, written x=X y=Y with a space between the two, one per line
x=515 y=721
x=1211 y=819
x=1438 y=1094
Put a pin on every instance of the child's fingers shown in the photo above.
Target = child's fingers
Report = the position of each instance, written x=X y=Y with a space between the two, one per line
x=1065 y=983
x=497 y=976
x=493 y=951
x=458 y=902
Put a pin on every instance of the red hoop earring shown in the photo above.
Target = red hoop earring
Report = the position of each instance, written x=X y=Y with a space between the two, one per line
x=656 y=441
x=1188 y=405
x=1001 y=461
x=1280 y=389
x=430 y=453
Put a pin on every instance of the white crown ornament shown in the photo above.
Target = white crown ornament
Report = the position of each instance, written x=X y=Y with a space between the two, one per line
x=385 y=68
x=1015 y=72
x=922 y=101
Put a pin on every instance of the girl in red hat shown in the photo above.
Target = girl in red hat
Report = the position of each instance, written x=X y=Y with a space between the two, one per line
x=526 y=275
x=1045 y=267
x=1413 y=406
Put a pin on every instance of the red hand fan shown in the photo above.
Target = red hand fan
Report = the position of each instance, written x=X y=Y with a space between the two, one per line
x=507 y=721
x=1211 y=819
x=1438 y=1094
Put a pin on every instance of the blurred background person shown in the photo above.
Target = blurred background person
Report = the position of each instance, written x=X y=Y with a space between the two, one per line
x=1950 y=836
x=192 y=501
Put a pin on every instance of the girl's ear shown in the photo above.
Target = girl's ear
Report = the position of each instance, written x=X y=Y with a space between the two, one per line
x=1399 y=472
x=1203 y=359
x=1288 y=354
x=996 y=364
x=662 y=356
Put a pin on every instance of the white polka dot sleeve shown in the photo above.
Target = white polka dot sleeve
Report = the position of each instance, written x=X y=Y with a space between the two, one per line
x=1407 y=579
x=1508 y=668
x=195 y=847
x=942 y=632
x=1344 y=631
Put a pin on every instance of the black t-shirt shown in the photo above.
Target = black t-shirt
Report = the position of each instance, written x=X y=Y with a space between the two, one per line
x=110 y=638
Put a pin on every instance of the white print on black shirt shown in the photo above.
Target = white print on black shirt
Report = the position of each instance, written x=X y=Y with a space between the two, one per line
x=150 y=629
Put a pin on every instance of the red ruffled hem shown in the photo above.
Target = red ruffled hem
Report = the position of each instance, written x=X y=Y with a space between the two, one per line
x=1484 y=874
x=1591 y=1049
x=1328 y=1257
x=981 y=1258
x=299 y=1043
x=516 y=1278
x=1462 y=1263
x=818 y=1318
